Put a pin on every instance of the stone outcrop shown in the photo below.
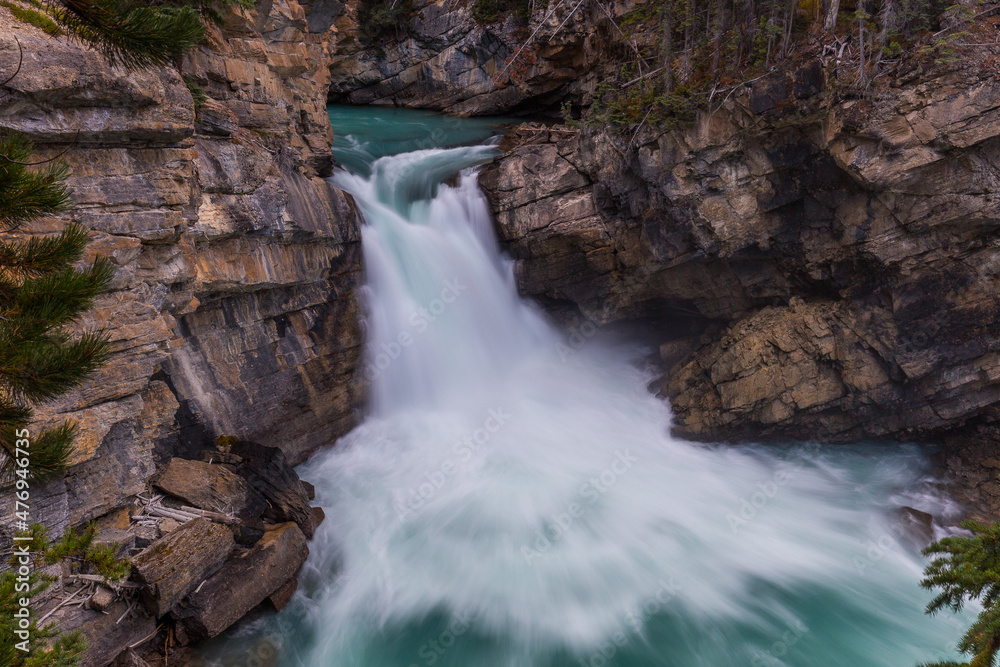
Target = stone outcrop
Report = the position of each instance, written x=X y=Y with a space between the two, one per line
x=444 y=59
x=232 y=309
x=200 y=561
x=822 y=269
x=174 y=566
x=106 y=636
x=244 y=582
x=210 y=487
x=269 y=472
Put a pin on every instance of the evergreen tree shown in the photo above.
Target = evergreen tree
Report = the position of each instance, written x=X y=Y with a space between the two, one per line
x=968 y=568
x=40 y=295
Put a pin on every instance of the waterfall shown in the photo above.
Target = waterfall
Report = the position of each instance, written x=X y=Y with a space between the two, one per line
x=514 y=499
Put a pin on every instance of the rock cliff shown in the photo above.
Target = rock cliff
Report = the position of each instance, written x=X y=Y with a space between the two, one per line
x=232 y=309
x=445 y=59
x=821 y=268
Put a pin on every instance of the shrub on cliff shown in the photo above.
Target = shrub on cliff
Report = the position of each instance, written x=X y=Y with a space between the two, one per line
x=43 y=293
x=378 y=19
x=674 y=57
x=63 y=651
x=968 y=568
x=46 y=647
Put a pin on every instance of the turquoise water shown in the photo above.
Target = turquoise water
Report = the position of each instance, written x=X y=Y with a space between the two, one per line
x=515 y=500
x=390 y=131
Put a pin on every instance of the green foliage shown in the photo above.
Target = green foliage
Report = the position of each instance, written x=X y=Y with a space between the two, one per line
x=378 y=19
x=129 y=33
x=33 y=17
x=566 y=110
x=64 y=651
x=215 y=10
x=78 y=544
x=27 y=193
x=198 y=94
x=968 y=568
x=679 y=54
x=646 y=101
x=61 y=651
x=487 y=11
x=491 y=11
x=41 y=294
x=892 y=50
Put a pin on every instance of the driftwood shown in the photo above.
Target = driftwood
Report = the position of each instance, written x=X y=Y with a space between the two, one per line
x=63 y=603
x=185 y=514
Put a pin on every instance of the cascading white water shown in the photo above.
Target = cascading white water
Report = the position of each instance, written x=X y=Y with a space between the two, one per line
x=516 y=500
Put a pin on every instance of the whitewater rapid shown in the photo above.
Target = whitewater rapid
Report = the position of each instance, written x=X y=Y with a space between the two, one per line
x=513 y=496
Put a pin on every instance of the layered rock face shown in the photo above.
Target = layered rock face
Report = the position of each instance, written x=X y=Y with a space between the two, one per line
x=446 y=60
x=837 y=263
x=232 y=309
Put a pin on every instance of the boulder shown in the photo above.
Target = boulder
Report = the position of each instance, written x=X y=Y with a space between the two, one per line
x=270 y=474
x=244 y=582
x=102 y=599
x=317 y=516
x=210 y=487
x=145 y=535
x=280 y=597
x=130 y=658
x=177 y=564
x=168 y=526
x=216 y=457
x=247 y=532
x=914 y=526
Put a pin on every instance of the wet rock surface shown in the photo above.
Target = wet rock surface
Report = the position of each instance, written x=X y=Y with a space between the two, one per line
x=204 y=561
x=232 y=309
x=210 y=487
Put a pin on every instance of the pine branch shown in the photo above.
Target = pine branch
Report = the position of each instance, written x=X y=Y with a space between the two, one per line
x=968 y=568
x=41 y=255
x=55 y=299
x=129 y=34
x=27 y=194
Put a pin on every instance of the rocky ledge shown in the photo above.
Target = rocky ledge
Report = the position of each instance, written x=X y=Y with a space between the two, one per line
x=818 y=268
x=215 y=538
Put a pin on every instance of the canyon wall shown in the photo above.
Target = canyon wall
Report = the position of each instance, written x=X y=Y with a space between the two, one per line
x=233 y=307
x=825 y=268
x=444 y=59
